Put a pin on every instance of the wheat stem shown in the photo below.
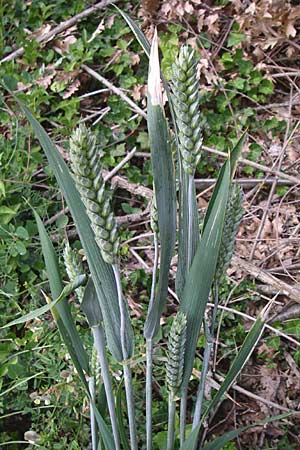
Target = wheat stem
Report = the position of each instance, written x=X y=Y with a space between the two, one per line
x=149 y=364
x=149 y=355
x=204 y=370
x=130 y=406
x=183 y=405
x=190 y=220
x=92 y=414
x=99 y=342
x=209 y=332
x=126 y=367
x=171 y=422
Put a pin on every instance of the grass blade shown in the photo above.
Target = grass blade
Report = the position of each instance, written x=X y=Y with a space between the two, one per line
x=141 y=38
x=220 y=442
x=67 y=290
x=200 y=277
x=101 y=272
x=238 y=363
x=164 y=185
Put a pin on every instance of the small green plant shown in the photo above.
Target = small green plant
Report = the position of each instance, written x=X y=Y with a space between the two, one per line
x=202 y=262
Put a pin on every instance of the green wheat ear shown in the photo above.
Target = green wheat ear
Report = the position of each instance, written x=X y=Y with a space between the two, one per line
x=176 y=349
x=86 y=168
x=74 y=267
x=234 y=213
x=186 y=98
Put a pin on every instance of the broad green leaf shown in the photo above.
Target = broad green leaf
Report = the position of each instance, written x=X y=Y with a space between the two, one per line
x=62 y=308
x=200 y=277
x=238 y=363
x=6 y=213
x=235 y=39
x=219 y=443
x=70 y=287
x=101 y=272
x=164 y=187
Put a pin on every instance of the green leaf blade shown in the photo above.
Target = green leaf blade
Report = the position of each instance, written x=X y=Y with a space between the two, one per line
x=164 y=187
x=200 y=277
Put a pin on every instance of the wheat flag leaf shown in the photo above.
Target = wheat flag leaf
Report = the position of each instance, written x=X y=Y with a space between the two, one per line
x=101 y=272
x=200 y=277
x=164 y=187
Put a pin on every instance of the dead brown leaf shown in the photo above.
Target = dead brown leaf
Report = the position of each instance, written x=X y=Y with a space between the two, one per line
x=71 y=89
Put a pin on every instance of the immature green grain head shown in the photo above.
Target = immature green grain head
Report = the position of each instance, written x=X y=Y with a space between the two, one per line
x=74 y=267
x=185 y=88
x=234 y=213
x=176 y=348
x=85 y=163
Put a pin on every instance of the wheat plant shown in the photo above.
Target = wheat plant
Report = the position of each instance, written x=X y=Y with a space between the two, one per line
x=202 y=261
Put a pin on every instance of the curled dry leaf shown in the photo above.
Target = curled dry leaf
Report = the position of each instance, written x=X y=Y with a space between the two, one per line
x=71 y=89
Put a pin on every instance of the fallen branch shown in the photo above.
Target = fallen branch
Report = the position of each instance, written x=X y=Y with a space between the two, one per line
x=260 y=274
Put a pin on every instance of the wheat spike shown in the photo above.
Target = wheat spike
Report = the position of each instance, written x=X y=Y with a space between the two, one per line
x=233 y=216
x=86 y=168
x=176 y=348
x=186 y=96
x=74 y=267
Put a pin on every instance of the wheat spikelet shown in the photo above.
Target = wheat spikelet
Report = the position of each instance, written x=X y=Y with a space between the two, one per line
x=85 y=163
x=74 y=267
x=176 y=348
x=233 y=216
x=185 y=88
